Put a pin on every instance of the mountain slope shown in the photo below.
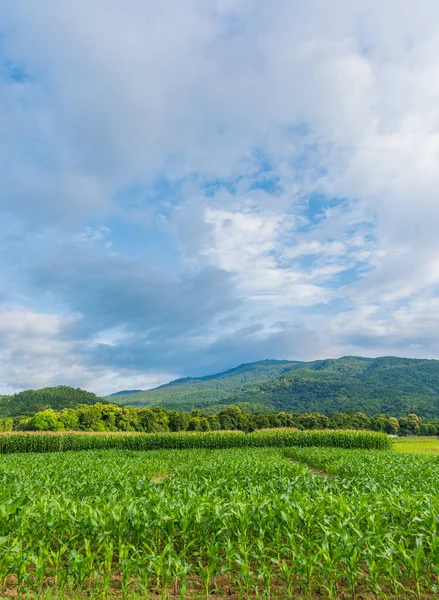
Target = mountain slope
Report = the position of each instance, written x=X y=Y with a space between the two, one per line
x=200 y=392
x=126 y=392
x=384 y=385
x=32 y=401
x=392 y=385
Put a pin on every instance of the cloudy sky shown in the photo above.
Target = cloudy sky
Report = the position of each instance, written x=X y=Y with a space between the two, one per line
x=186 y=186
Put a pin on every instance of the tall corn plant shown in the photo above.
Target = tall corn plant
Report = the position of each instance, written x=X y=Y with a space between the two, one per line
x=49 y=442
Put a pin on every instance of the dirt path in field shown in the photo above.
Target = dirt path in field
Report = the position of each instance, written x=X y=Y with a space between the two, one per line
x=312 y=469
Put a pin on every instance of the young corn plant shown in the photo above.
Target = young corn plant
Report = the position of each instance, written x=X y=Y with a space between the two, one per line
x=95 y=522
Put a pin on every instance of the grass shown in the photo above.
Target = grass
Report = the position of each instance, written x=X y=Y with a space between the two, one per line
x=417 y=445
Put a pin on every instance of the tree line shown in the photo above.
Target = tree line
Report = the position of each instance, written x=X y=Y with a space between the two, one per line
x=111 y=417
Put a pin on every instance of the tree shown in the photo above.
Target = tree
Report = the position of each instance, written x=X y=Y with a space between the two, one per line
x=379 y=422
x=149 y=420
x=178 y=421
x=204 y=424
x=162 y=418
x=127 y=419
x=414 y=423
x=392 y=426
x=362 y=420
x=90 y=418
x=261 y=421
x=225 y=421
x=286 y=419
x=69 y=419
x=313 y=421
x=194 y=424
x=234 y=418
x=47 y=420
x=6 y=424
x=274 y=421
x=214 y=423
x=428 y=429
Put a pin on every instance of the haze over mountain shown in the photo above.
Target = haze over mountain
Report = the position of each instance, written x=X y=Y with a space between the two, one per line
x=396 y=386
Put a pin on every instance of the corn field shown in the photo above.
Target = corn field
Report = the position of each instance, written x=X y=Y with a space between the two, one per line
x=234 y=523
x=61 y=442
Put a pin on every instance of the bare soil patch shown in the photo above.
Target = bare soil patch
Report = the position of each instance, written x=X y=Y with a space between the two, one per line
x=159 y=478
x=313 y=469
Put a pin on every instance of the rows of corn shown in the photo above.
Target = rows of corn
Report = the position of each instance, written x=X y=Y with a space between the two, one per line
x=61 y=442
x=240 y=522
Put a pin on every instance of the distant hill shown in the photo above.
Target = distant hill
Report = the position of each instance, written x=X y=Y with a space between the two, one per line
x=201 y=392
x=396 y=386
x=125 y=393
x=32 y=401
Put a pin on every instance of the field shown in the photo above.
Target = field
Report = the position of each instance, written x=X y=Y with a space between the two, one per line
x=229 y=523
x=418 y=445
x=63 y=442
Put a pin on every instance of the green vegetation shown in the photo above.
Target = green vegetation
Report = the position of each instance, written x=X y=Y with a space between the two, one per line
x=190 y=392
x=389 y=386
x=51 y=442
x=33 y=401
x=241 y=523
x=418 y=445
x=394 y=386
x=111 y=417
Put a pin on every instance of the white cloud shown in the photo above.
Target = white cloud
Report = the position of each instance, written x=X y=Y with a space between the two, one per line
x=408 y=330
x=36 y=350
x=337 y=101
x=22 y=322
x=246 y=241
x=32 y=351
x=315 y=247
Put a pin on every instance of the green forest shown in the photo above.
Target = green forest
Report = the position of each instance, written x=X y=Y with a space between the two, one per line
x=33 y=401
x=389 y=385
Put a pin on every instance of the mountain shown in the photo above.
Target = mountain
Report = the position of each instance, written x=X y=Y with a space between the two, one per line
x=32 y=401
x=125 y=393
x=201 y=392
x=396 y=386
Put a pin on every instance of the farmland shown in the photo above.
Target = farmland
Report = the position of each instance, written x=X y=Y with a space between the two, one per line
x=215 y=440
x=237 y=523
x=418 y=445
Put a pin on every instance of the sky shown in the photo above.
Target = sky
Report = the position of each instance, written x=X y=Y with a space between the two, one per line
x=187 y=186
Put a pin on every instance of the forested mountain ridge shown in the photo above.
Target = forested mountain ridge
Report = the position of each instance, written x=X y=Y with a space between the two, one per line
x=201 y=392
x=33 y=401
x=392 y=385
x=125 y=392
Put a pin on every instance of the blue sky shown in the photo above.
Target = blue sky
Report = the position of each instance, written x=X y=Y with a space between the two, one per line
x=189 y=186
